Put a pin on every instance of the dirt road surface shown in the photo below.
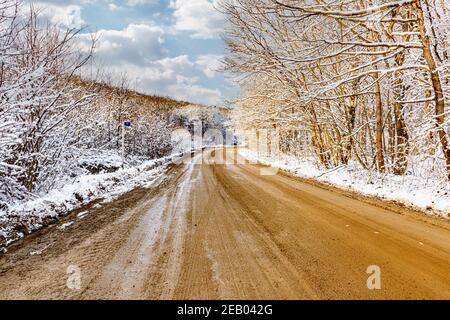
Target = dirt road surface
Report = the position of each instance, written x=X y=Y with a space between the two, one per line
x=210 y=231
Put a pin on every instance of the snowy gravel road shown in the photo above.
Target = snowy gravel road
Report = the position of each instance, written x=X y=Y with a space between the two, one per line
x=225 y=232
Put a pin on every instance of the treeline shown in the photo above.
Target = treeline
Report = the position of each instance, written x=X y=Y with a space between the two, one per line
x=152 y=119
x=50 y=118
x=362 y=81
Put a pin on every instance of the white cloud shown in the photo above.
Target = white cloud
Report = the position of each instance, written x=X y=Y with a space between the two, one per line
x=113 y=7
x=199 y=17
x=210 y=64
x=133 y=3
x=176 y=80
x=137 y=51
x=64 y=14
x=177 y=62
x=63 y=3
x=137 y=43
x=187 y=89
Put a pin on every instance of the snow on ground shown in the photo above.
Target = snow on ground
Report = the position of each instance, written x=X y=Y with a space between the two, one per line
x=24 y=218
x=65 y=226
x=427 y=194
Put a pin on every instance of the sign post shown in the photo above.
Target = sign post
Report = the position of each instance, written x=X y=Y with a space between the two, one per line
x=126 y=124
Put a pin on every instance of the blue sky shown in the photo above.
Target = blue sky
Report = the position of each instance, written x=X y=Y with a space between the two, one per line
x=166 y=47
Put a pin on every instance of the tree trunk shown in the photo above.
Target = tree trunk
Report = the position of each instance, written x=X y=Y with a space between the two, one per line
x=401 y=159
x=402 y=152
x=439 y=100
x=379 y=132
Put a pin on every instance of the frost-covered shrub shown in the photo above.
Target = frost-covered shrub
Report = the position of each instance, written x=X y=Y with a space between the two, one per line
x=37 y=97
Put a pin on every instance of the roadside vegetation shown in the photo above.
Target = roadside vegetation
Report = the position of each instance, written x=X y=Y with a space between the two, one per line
x=61 y=128
x=357 y=85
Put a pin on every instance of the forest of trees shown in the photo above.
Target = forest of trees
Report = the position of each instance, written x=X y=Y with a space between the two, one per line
x=51 y=117
x=364 y=81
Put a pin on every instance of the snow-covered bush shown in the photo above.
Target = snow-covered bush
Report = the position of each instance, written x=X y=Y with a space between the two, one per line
x=37 y=96
x=54 y=124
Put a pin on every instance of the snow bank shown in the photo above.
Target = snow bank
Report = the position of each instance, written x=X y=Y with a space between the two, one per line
x=96 y=161
x=24 y=218
x=427 y=194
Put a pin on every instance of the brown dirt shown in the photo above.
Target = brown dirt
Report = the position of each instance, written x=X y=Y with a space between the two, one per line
x=225 y=232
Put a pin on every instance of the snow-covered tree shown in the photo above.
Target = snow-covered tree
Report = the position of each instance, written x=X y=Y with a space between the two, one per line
x=38 y=96
x=365 y=81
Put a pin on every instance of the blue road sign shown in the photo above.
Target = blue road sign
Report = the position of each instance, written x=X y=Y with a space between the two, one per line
x=127 y=124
